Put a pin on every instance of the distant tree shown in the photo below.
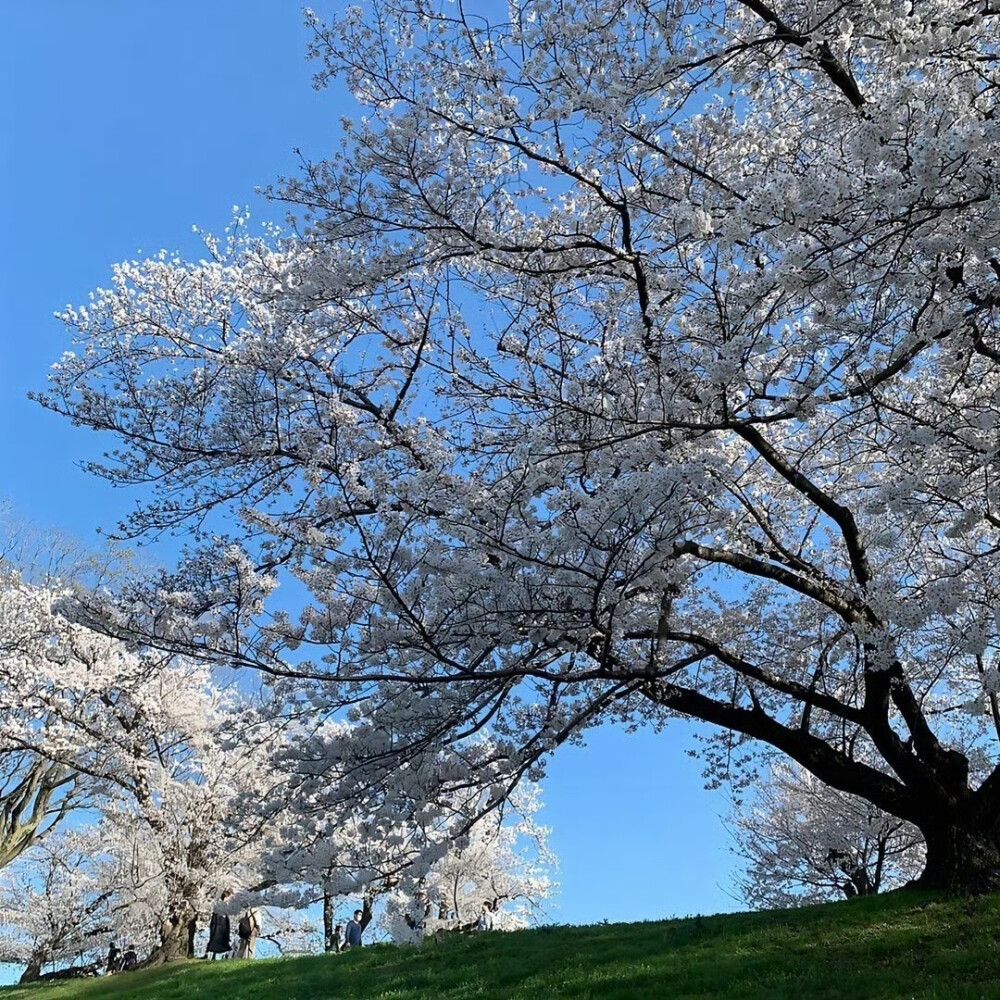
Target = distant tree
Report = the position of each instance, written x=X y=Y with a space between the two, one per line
x=123 y=879
x=804 y=842
x=503 y=860
x=146 y=739
x=47 y=557
x=37 y=789
x=53 y=908
x=631 y=360
x=182 y=813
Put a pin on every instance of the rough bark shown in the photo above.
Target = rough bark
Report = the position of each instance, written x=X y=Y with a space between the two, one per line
x=33 y=971
x=328 y=915
x=961 y=857
x=176 y=938
x=366 y=911
x=36 y=802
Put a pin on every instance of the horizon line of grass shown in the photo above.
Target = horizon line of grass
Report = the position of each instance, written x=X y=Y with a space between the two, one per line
x=901 y=946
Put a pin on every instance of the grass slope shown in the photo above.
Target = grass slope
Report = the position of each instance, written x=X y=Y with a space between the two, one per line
x=902 y=947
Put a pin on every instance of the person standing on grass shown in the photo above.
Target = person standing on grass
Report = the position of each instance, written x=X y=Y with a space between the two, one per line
x=114 y=960
x=485 y=921
x=248 y=930
x=219 y=933
x=418 y=915
x=352 y=933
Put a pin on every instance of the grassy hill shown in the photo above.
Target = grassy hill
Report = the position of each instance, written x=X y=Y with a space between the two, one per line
x=890 y=948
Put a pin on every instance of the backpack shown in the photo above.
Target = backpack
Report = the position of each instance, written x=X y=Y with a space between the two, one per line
x=244 y=928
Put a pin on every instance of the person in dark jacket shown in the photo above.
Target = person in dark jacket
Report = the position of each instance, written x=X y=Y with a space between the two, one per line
x=352 y=935
x=219 y=935
x=114 y=959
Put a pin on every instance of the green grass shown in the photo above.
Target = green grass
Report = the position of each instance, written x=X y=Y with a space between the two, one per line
x=900 y=947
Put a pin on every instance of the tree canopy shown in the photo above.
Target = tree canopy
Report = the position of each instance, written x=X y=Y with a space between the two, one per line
x=629 y=360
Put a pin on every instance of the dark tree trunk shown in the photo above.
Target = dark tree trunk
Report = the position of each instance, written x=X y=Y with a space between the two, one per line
x=881 y=848
x=176 y=939
x=858 y=883
x=960 y=858
x=328 y=915
x=34 y=970
x=366 y=910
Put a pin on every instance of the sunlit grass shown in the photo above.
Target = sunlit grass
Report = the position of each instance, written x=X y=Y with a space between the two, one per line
x=891 y=948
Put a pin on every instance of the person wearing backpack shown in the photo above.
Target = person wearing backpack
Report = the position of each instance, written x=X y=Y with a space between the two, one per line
x=248 y=930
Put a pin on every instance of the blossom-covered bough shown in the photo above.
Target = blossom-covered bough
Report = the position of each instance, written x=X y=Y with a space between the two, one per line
x=36 y=792
x=337 y=837
x=630 y=360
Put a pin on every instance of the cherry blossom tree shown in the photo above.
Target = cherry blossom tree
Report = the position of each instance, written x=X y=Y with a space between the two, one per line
x=182 y=811
x=503 y=861
x=53 y=907
x=180 y=840
x=178 y=810
x=805 y=842
x=38 y=790
x=47 y=557
x=350 y=842
x=125 y=878
x=147 y=739
x=630 y=360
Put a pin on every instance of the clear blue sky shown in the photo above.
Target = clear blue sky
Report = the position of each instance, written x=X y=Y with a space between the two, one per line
x=125 y=123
